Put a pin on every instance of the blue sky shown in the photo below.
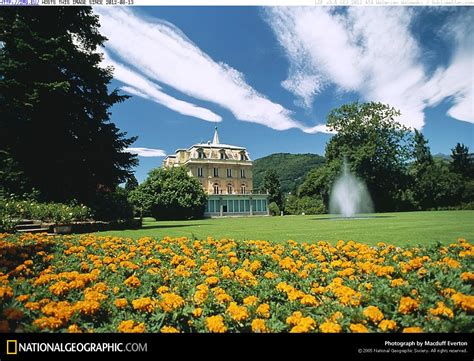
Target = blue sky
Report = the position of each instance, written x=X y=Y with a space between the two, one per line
x=267 y=77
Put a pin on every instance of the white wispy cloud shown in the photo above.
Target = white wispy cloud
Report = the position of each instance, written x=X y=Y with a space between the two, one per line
x=146 y=152
x=163 y=54
x=371 y=52
x=140 y=86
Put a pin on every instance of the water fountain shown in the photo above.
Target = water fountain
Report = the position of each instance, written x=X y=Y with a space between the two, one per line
x=349 y=195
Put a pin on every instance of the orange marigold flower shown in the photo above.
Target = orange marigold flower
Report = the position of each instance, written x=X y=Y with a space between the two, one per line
x=397 y=282
x=74 y=329
x=236 y=312
x=170 y=302
x=408 y=305
x=330 y=327
x=132 y=281
x=259 y=326
x=169 y=329
x=464 y=302
x=144 y=304
x=387 y=325
x=263 y=310
x=130 y=326
x=51 y=323
x=121 y=302
x=358 y=328
x=414 y=329
x=215 y=324
x=250 y=300
x=373 y=314
x=441 y=310
x=197 y=312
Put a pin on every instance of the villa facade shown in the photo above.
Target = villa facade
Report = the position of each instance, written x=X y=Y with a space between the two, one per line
x=225 y=173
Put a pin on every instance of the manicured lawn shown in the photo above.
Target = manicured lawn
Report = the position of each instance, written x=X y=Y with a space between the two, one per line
x=407 y=228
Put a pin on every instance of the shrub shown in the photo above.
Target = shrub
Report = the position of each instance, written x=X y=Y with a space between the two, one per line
x=310 y=205
x=13 y=210
x=274 y=209
x=109 y=206
x=170 y=194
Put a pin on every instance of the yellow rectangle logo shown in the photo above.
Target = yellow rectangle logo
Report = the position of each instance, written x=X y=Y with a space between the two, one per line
x=12 y=347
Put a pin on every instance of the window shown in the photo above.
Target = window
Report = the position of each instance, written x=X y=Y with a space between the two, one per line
x=199 y=172
x=216 y=188
x=229 y=173
x=242 y=189
x=223 y=155
x=229 y=189
x=242 y=173
x=201 y=154
x=243 y=156
x=216 y=172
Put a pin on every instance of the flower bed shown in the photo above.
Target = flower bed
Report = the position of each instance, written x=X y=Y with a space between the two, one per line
x=110 y=284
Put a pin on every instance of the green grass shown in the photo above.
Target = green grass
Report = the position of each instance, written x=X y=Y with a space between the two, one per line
x=407 y=228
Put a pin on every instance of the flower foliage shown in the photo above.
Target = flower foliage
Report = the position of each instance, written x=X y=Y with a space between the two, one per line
x=92 y=283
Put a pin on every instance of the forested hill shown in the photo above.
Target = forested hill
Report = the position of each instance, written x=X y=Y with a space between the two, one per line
x=291 y=168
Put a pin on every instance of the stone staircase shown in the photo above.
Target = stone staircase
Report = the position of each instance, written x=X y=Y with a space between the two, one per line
x=31 y=226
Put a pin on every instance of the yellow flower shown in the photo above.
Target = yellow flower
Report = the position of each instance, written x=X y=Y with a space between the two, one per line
x=211 y=281
x=397 y=282
x=215 y=324
x=162 y=289
x=144 y=304
x=250 y=300
x=121 y=302
x=441 y=310
x=236 y=312
x=414 y=329
x=87 y=307
x=358 y=328
x=22 y=298
x=170 y=302
x=263 y=310
x=373 y=314
x=294 y=319
x=130 y=326
x=467 y=277
x=408 y=305
x=132 y=281
x=305 y=324
x=464 y=302
x=74 y=329
x=169 y=329
x=51 y=323
x=269 y=275
x=197 y=312
x=387 y=325
x=309 y=300
x=259 y=326
x=330 y=327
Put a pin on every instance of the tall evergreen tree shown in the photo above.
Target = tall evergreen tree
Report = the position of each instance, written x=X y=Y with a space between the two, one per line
x=271 y=185
x=131 y=184
x=461 y=161
x=55 y=103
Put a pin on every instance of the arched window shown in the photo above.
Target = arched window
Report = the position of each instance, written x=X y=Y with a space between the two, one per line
x=223 y=154
x=216 y=188
x=200 y=153
x=243 y=156
x=229 y=188
x=243 y=189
